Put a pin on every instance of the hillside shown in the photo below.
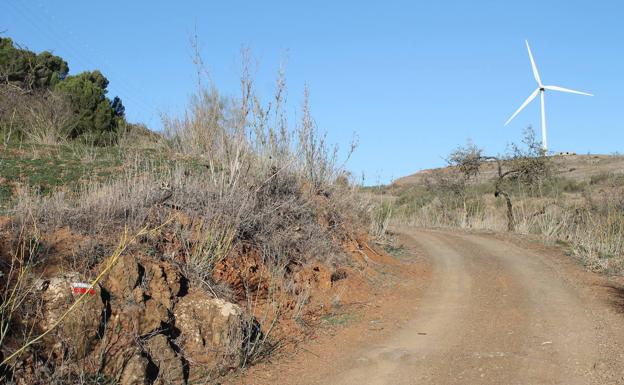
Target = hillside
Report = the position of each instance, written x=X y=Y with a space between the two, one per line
x=572 y=200
x=574 y=167
x=130 y=257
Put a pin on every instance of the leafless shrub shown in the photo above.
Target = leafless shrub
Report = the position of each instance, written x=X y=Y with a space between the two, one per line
x=137 y=136
x=39 y=117
x=16 y=290
x=9 y=112
x=261 y=319
x=47 y=118
x=381 y=220
x=318 y=161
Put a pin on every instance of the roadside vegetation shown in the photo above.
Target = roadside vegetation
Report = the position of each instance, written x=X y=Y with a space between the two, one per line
x=232 y=207
x=526 y=193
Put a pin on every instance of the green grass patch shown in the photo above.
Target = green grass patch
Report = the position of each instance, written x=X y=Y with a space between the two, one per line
x=49 y=168
x=397 y=252
x=46 y=169
x=339 y=319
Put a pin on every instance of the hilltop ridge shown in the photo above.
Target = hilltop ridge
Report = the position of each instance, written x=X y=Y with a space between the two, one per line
x=575 y=167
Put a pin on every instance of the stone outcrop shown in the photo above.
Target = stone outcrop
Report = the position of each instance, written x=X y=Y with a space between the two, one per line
x=169 y=363
x=210 y=331
x=135 y=371
x=150 y=327
x=79 y=330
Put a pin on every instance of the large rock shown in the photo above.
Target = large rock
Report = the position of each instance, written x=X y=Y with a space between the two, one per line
x=140 y=306
x=210 y=331
x=80 y=327
x=168 y=362
x=131 y=279
x=123 y=277
x=135 y=371
x=139 y=318
x=164 y=283
x=142 y=296
x=147 y=301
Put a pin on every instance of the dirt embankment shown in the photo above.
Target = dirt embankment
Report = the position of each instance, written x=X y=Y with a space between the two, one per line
x=146 y=321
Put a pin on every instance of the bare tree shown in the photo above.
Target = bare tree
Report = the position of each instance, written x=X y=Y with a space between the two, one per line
x=528 y=165
x=468 y=160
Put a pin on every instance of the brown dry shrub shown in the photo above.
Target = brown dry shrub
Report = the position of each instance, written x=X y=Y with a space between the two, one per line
x=40 y=117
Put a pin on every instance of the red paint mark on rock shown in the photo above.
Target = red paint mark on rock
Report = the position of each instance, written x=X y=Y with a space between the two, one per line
x=82 y=288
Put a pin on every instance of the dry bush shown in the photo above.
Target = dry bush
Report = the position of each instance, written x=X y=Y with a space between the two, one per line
x=38 y=117
x=9 y=116
x=137 y=136
x=19 y=302
x=96 y=207
x=381 y=220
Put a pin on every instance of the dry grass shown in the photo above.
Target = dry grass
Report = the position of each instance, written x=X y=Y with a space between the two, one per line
x=39 y=117
x=587 y=217
x=16 y=286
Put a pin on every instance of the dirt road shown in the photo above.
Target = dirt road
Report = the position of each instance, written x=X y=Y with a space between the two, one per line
x=495 y=313
x=492 y=312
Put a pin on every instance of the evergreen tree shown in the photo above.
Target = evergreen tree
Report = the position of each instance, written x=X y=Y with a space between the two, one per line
x=95 y=117
x=28 y=70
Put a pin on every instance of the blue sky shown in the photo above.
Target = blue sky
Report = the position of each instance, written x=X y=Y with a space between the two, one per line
x=413 y=79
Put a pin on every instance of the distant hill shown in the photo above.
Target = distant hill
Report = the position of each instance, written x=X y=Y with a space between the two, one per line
x=576 y=167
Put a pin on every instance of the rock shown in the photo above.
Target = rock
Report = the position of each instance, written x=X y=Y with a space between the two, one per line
x=139 y=318
x=144 y=299
x=338 y=275
x=242 y=274
x=210 y=331
x=141 y=296
x=123 y=277
x=164 y=284
x=600 y=366
x=56 y=296
x=174 y=279
x=135 y=371
x=81 y=326
x=154 y=316
x=169 y=364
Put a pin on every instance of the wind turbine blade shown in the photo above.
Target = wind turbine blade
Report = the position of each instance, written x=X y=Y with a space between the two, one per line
x=557 y=88
x=527 y=101
x=535 y=73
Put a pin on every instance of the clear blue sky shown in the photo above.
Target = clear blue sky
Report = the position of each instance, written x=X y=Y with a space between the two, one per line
x=412 y=78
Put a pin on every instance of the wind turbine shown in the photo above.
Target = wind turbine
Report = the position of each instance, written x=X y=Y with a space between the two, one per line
x=541 y=89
